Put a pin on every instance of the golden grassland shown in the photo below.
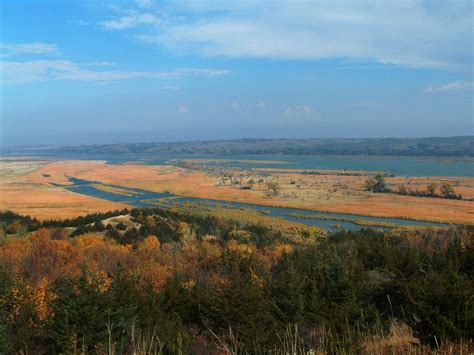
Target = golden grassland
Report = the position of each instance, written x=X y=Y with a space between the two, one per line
x=115 y=190
x=30 y=190
x=40 y=199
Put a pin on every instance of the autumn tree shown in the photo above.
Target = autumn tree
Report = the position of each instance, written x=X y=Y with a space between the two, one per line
x=50 y=258
x=447 y=191
x=273 y=188
x=431 y=189
x=376 y=184
x=402 y=190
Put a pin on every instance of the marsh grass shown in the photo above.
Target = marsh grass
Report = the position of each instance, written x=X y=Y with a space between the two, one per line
x=115 y=190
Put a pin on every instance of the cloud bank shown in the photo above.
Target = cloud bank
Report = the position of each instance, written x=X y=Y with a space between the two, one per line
x=300 y=112
x=409 y=33
x=454 y=86
x=10 y=49
x=23 y=72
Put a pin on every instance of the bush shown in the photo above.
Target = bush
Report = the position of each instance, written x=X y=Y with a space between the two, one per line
x=376 y=184
x=273 y=188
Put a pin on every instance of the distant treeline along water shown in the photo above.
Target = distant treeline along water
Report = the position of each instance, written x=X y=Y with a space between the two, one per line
x=435 y=146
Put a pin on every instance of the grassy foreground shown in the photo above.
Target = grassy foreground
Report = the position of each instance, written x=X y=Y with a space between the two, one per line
x=151 y=281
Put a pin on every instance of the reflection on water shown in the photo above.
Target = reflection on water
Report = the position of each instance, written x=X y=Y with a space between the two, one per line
x=143 y=198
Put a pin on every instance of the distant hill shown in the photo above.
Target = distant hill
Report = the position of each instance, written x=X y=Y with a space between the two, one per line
x=436 y=146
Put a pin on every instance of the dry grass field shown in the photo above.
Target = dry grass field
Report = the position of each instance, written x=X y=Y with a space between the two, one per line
x=26 y=188
x=20 y=193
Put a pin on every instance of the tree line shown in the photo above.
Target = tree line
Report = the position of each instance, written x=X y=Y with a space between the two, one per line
x=377 y=184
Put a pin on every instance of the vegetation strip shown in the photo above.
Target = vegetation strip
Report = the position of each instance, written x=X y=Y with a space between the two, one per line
x=359 y=222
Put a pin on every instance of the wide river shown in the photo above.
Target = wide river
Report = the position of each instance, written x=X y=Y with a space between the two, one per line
x=400 y=166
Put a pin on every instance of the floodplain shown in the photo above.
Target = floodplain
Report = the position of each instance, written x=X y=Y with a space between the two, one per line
x=39 y=187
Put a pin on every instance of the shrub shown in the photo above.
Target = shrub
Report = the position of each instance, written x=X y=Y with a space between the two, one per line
x=376 y=184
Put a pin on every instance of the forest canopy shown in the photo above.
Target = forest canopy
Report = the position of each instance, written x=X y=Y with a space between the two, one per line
x=197 y=284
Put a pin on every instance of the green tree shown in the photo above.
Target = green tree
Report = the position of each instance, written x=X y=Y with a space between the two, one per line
x=287 y=294
x=242 y=304
x=83 y=310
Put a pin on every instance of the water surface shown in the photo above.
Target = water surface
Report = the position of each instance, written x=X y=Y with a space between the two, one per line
x=138 y=198
x=400 y=166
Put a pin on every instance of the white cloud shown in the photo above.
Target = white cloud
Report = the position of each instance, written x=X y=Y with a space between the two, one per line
x=454 y=86
x=300 y=111
x=9 y=49
x=235 y=105
x=102 y=64
x=409 y=33
x=260 y=105
x=79 y=22
x=47 y=70
x=131 y=20
x=183 y=109
x=171 y=87
x=201 y=72
x=144 y=3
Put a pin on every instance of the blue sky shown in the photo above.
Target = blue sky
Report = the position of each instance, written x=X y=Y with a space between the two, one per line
x=127 y=71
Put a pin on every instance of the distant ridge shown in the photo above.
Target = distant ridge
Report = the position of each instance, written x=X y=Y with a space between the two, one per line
x=435 y=146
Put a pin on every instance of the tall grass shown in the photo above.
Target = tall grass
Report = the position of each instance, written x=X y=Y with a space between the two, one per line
x=397 y=339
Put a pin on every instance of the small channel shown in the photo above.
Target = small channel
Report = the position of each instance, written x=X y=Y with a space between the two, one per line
x=326 y=220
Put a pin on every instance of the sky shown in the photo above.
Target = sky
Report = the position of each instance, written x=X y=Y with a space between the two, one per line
x=83 y=71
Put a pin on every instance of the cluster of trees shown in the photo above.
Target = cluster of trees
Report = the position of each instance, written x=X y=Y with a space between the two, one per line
x=13 y=223
x=172 y=225
x=444 y=190
x=204 y=285
x=377 y=184
x=239 y=180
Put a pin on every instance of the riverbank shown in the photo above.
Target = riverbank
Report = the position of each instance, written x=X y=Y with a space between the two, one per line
x=313 y=192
